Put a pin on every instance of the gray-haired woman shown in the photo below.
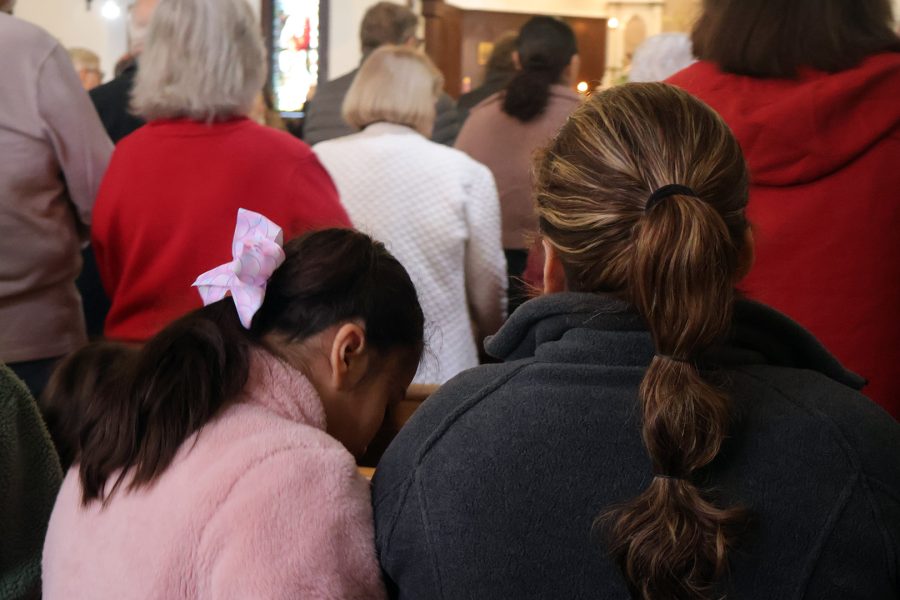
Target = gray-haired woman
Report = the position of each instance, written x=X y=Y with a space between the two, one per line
x=165 y=207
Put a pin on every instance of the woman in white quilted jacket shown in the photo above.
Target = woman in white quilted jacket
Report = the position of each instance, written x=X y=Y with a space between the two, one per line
x=434 y=207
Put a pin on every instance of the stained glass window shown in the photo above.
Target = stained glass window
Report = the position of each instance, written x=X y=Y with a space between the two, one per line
x=295 y=36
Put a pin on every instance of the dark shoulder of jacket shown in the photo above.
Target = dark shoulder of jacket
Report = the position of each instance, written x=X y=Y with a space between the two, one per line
x=434 y=418
x=115 y=91
x=867 y=434
x=860 y=555
x=324 y=120
x=446 y=123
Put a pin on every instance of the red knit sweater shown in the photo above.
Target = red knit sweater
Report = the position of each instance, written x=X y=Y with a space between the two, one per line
x=167 y=208
x=824 y=156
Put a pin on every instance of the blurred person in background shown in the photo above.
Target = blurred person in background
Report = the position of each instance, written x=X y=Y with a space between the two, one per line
x=661 y=56
x=113 y=99
x=87 y=65
x=166 y=204
x=504 y=131
x=500 y=69
x=384 y=23
x=264 y=113
x=54 y=155
x=813 y=95
x=433 y=207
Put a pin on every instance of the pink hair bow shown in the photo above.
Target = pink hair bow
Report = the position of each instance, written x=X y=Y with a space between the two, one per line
x=257 y=253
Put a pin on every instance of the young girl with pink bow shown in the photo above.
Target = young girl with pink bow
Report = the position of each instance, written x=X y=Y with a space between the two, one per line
x=216 y=462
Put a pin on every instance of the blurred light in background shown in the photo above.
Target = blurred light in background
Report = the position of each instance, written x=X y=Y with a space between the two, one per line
x=110 y=10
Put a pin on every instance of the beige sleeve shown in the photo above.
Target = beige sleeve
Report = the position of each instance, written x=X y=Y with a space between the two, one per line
x=73 y=128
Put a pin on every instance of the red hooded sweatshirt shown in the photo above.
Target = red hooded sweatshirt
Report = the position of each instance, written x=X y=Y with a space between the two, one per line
x=824 y=157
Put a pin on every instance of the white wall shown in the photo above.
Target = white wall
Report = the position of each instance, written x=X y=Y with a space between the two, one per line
x=571 y=8
x=343 y=35
x=73 y=25
x=70 y=22
x=343 y=29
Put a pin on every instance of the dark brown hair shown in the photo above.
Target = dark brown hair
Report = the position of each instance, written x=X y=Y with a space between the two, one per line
x=546 y=47
x=676 y=263
x=386 y=23
x=77 y=382
x=774 y=38
x=182 y=377
x=501 y=58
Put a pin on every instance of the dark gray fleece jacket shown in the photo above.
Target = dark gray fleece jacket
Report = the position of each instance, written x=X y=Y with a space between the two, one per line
x=492 y=488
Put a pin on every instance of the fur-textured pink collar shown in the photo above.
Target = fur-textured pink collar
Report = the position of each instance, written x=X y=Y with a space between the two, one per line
x=279 y=387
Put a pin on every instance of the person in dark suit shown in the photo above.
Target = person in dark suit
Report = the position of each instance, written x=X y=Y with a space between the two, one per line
x=112 y=101
x=112 y=98
x=384 y=23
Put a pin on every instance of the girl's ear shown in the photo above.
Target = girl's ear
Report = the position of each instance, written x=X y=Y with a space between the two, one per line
x=349 y=358
x=554 y=274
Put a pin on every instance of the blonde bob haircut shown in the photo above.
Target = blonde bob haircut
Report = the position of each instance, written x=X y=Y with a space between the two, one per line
x=396 y=84
x=203 y=60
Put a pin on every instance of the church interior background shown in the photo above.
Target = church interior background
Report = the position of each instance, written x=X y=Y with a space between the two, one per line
x=311 y=41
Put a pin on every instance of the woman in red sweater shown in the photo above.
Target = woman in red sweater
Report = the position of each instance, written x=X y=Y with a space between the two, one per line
x=166 y=207
x=813 y=96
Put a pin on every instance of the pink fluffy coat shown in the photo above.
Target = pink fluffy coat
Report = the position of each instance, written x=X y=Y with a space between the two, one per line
x=262 y=503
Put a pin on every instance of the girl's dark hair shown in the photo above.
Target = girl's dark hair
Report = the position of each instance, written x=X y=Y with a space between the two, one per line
x=676 y=263
x=546 y=47
x=170 y=388
x=77 y=382
x=774 y=38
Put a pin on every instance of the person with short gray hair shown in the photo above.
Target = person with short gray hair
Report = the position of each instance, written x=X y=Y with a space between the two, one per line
x=187 y=73
x=384 y=23
x=167 y=203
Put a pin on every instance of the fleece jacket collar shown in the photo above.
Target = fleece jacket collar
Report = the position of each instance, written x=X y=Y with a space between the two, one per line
x=284 y=390
x=575 y=327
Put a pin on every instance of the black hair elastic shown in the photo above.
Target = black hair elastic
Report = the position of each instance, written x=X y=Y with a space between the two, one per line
x=673 y=189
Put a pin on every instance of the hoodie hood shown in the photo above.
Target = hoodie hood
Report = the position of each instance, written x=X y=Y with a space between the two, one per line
x=796 y=131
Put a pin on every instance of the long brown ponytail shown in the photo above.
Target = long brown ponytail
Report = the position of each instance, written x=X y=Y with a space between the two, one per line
x=676 y=262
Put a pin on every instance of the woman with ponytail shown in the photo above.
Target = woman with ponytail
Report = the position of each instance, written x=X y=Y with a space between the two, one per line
x=649 y=434
x=217 y=460
x=504 y=131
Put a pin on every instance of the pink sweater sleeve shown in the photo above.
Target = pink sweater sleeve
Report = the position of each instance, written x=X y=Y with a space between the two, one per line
x=297 y=525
